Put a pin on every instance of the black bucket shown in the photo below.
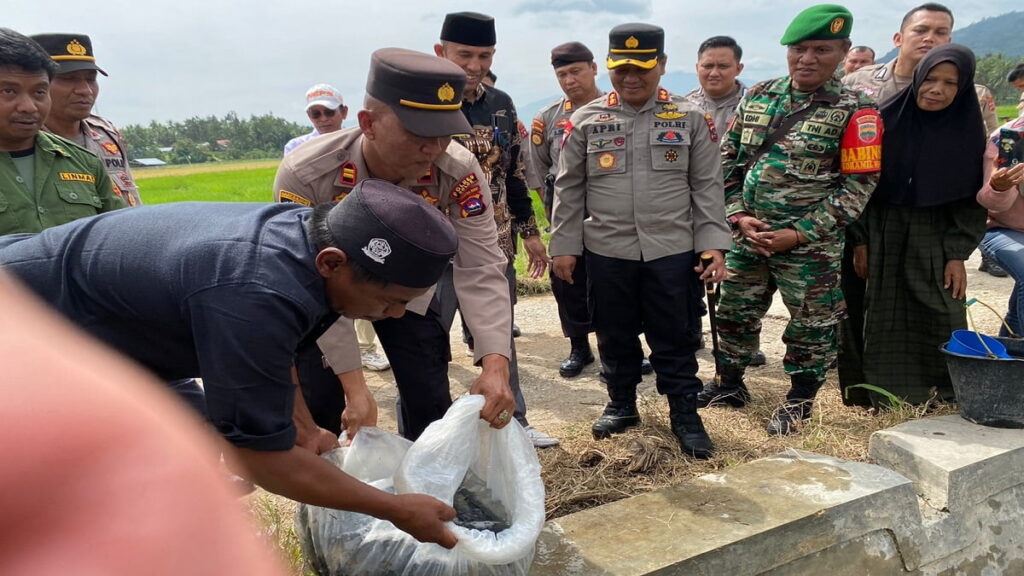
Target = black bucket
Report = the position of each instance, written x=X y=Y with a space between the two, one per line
x=990 y=391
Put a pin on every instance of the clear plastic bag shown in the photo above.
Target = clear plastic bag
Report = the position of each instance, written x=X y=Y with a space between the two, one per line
x=491 y=476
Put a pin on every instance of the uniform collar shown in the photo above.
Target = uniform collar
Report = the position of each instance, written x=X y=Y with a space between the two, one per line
x=49 y=142
x=828 y=92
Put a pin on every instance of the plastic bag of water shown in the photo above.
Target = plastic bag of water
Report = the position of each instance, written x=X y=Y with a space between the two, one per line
x=491 y=477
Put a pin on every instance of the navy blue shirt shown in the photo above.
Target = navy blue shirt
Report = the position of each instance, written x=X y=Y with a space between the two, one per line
x=226 y=292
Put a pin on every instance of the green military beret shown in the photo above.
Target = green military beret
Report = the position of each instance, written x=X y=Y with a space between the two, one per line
x=821 y=22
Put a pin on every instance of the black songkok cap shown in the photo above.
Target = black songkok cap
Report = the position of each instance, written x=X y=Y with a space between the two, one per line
x=393 y=233
x=637 y=44
x=424 y=91
x=71 y=52
x=565 y=54
x=469 y=28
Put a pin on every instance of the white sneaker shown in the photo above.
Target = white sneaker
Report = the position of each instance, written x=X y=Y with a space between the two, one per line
x=374 y=361
x=540 y=439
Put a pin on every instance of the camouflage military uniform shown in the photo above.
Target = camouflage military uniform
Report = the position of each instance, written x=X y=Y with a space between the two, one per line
x=804 y=181
x=879 y=82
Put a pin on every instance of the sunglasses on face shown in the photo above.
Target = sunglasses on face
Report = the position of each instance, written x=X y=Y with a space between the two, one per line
x=316 y=114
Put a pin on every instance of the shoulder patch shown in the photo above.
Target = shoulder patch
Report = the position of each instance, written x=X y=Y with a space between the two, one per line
x=467 y=194
x=861 y=147
x=711 y=127
x=537 y=130
x=286 y=196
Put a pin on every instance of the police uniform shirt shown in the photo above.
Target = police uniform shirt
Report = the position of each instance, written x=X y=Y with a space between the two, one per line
x=69 y=183
x=880 y=83
x=650 y=180
x=105 y=141
x=722 y=111
x=546 y=140
x=328 y=167
x=226 y=292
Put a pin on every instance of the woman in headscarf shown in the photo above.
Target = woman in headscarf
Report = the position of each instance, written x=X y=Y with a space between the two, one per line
x=922 y=223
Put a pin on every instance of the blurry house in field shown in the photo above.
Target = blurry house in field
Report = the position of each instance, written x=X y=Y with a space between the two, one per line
x=148 y=162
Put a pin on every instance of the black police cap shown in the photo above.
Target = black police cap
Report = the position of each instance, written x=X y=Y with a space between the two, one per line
x=71 y=52
x=469 y=28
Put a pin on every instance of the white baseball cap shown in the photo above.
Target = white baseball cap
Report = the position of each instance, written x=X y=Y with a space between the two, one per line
x=324 y=95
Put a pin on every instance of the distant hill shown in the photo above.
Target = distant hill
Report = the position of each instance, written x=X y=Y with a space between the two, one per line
x=675 y=82
x=996 y=35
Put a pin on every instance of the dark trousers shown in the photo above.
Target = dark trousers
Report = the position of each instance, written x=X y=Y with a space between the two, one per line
x=628 y=297
x=419 y=352
x=320 y=388
x=573 y=310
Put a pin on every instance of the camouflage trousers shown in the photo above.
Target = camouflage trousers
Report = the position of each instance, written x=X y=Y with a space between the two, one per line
x=808 y=279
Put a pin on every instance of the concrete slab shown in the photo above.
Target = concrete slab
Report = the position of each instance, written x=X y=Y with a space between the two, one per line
x=954 y=464
x=747 y=520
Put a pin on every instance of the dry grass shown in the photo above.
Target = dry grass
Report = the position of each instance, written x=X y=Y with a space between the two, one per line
x=583 y=473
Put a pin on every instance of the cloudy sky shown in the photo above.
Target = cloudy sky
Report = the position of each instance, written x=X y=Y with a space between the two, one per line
x=170 y=60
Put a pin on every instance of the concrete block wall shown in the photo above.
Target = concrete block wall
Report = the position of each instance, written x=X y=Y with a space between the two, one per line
x=943 y=497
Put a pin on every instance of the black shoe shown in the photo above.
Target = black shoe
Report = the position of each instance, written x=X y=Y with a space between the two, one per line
x=989 y=264
x=516 y=332
x=579 y=356
x=688 y=427
x=617 y=418
x=731 y=391
x=788 y=418
x=645 y=367
x=758 y=359
x=701 y=343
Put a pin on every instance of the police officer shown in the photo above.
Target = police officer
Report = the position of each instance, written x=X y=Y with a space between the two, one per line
x=261 y=281
x=577 y=76
x=644 y=164
x=468 y=39
x=74 y=91
x=800 y=163
x=923 y=28
x=412 y=109
x=45 y=180
x=719 y=63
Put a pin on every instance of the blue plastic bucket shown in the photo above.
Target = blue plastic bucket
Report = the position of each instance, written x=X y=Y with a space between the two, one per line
x=968 y=343
x=990 y=391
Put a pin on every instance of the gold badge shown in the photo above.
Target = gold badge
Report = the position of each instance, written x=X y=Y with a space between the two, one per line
x=837 y=25
x=606 y=160
x=669 y=115
x=446 y=93
x=286 y=196
x=632 y=42
x=76 y=49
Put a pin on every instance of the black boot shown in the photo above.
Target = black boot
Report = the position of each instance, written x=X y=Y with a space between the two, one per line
x=688 y=427
x=579 y=356
x=989 y=264
x=617 y=418
x=797 y=407
x=645 y=367
x=731 y=391
x=758 y=359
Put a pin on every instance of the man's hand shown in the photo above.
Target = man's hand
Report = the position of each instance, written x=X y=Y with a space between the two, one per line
x=751 y=229
x=860 y=261
x=955 y=279
x=782 y=240
x=307 y=434
x=492 y=384
x=715 y=271
x=423 y=517
x=538 y=256
x=563 y=266
x=360 y=406
x=1006 y=178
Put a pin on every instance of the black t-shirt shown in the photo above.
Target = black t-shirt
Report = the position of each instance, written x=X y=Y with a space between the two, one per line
x=225 y=292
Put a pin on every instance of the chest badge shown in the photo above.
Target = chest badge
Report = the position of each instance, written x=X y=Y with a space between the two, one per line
x=606 y=160
x=671 y=156
x=670 y=137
